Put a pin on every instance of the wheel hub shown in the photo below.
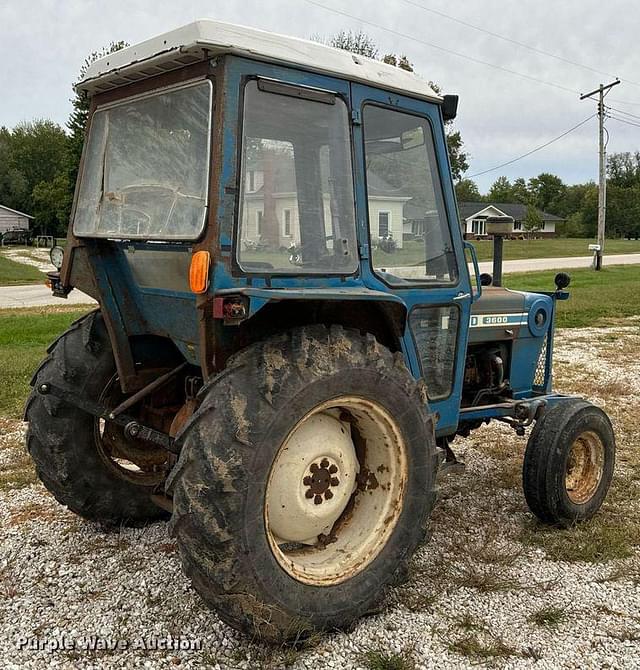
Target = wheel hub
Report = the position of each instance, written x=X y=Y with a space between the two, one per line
x=321 y=478
x=319 y=455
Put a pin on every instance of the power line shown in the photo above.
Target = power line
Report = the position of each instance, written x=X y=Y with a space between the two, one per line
x=621 y=111
x=512 y=41
x=625 y=102
x=629 y=123
x=441 y=48
x=533 y=151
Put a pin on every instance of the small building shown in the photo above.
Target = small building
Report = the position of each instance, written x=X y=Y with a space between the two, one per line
x=11 y=219
x=474 y=215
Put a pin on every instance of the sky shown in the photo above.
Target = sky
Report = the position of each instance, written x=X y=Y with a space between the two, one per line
x=501 y=116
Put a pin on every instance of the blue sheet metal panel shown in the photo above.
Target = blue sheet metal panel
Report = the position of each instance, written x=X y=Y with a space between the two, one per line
x=118 y=290
x=528 y=346
x=140 y=311
x=524 y=360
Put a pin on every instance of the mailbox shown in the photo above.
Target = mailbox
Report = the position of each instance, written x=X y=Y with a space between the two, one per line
x=502 y=225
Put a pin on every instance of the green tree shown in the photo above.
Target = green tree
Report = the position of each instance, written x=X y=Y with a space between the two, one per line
x=623 y=211
x=31 y=156
x=467 y=191
x=356 y=42
x=572 y=226
x=623 y=169
x=573 y=200
x=520 y=191
x=547 y=191
x=458 y=157
x=14 y=190
x=532 y=221
x=589 y=213
x=51 y=203
x=37 y=149
x=501 y=191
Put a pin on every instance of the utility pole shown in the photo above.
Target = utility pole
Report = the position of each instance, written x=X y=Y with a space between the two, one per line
x=602 y=180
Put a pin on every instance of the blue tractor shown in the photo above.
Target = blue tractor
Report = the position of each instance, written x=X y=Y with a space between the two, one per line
x=288 y=338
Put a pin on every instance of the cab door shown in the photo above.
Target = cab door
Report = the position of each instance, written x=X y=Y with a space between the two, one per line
x=411 y=241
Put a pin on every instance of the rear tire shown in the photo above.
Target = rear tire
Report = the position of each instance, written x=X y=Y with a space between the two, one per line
x=61 y=439
x=568 y=463
x=227 y=515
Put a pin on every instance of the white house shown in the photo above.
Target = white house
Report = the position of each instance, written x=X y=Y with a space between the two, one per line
x=11 y=219
x=474 y=215
x=386 y=206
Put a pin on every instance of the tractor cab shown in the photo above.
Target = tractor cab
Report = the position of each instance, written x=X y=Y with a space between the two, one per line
x=288 y=338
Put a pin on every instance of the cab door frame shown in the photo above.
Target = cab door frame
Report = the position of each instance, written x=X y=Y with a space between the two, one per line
x=422 y=294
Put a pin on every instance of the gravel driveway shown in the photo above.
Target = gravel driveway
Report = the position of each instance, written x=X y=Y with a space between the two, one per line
x=490 y=589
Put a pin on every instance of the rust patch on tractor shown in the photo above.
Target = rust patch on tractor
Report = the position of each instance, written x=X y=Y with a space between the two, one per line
x=324 y=540
x=367 y=480
x=183 y=415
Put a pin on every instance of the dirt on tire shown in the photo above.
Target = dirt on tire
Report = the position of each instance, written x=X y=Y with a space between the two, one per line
x=228 y=447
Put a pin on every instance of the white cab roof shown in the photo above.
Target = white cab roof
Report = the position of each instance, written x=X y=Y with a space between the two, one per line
x=206 y=38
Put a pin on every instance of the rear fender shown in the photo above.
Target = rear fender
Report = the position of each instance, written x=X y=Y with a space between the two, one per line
x=271 y=311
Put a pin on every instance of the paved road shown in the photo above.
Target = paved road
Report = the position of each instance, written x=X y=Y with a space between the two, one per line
x=35 y=295
x=562 y=263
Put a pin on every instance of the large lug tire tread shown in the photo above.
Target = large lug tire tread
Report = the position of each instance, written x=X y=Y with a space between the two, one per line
x=60 y=438
x=226 y=455
x=545 y=457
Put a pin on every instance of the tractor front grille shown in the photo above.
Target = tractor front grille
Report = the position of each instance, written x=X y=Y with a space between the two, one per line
x=540 y=375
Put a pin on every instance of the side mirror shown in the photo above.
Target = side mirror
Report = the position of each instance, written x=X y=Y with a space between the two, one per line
x=449 y=107
x=562 y=280
x=475 y=295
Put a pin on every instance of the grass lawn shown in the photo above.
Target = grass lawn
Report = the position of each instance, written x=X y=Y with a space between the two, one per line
x=412 y=253
x=18 y=273
x=553 y=248
x=24 y=336
x=597 y=298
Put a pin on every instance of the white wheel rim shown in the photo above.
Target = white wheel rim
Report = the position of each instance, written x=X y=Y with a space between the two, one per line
x=584 y=468
x=331 y=505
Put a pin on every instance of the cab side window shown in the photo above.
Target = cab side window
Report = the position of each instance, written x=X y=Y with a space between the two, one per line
x=408 y=227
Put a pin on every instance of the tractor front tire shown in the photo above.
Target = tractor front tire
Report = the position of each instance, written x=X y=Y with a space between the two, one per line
x=568 y=463
x=61 y=439
x=305 y=482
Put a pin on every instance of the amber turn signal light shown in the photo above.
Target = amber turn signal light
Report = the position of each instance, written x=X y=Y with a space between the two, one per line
x=199 y=271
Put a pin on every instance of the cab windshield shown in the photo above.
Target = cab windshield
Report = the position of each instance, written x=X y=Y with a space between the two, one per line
x=145 y=171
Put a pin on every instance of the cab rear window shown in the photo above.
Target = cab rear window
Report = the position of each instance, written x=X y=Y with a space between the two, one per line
x=146 y=167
